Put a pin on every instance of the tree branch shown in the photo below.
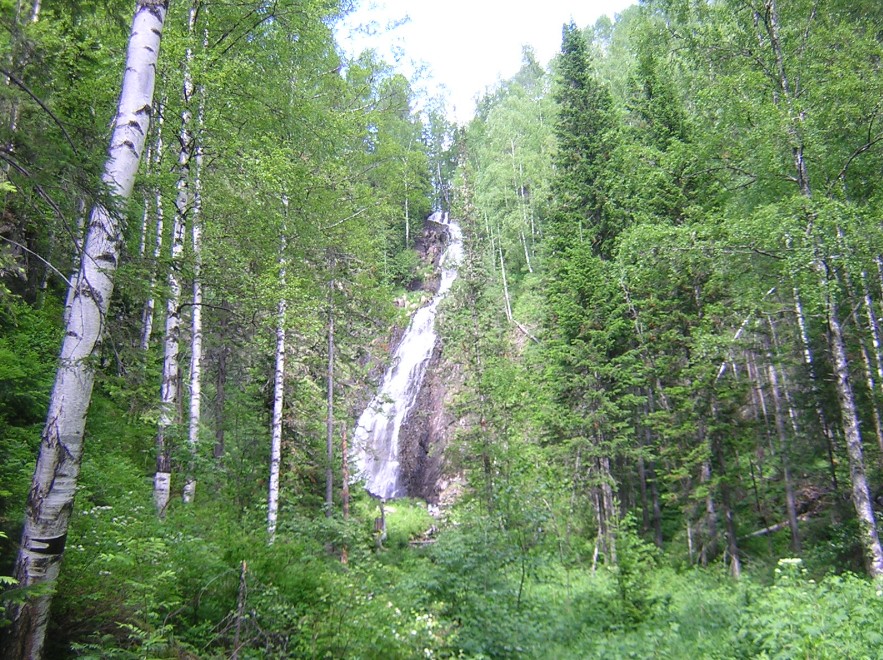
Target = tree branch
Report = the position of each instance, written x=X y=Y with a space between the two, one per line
x=29 y=251
x=36 y=99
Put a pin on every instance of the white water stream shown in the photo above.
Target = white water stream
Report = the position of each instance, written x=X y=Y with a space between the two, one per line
x=376 y=439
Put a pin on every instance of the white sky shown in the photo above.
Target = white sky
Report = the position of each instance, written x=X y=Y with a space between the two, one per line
x=466 y=45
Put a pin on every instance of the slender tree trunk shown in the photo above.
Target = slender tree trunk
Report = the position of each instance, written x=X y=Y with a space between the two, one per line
x=657 y=509
x=517 y=182
x=717 y=455
x=345 y=475
x=196 y=313
x=508 y=307
x=169 y=413
x=278 y=397
x=790 y=502
x=526 y=253
x=221 y=386
x=690 y=551
x=344 y=489
x=77 y=258
x=873 y=326
x=827 y=430
x=240 y=609
x=329 y=421
x=276 y=434
x=868 y=365
x=861 y=492
x=145 y=216
x=645 y=506
x=709 y=545
x=51 y=497
x=171 y=396
x=17 y=60
x=609 y=505
x=150 y=303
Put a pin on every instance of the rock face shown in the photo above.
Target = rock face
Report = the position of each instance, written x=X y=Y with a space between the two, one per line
x=423 y=436
x=430 y=245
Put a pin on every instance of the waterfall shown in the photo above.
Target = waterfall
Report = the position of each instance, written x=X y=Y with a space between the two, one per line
x=376 y=439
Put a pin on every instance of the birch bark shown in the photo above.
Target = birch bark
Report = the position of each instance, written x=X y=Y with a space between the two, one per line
x=169 y=389
x=276 y=434
x=861 y=492
x=278 y=398
x=150 y=303
x=790 y=501
x=196 y=314
x=329 y=422
x=787 y=94
x=51 y=497
x=170 y=393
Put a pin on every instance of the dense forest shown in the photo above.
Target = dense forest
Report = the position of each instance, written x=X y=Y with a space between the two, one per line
x=656 y=396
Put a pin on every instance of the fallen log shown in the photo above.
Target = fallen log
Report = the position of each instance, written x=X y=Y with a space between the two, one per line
x=772 y=529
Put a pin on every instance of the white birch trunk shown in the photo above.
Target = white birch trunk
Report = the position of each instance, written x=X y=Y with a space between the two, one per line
x=508 y=306
x=276 y=434
x=874 y=326
x=709 y=544
x=329 y=422
x=849 y=415
x=170 y=395
x=278 y=400
x=518 y=182
x=609 y=502
x=18 y=59
x=526 y=252
x=870 y=381
x=51 y=497
x=169 y=390
x=145 y=217
x=861 y=493
x=77 y=258
x=196 y=314
x=150 y=303
x=790 y=502
x=813 y=382
x=490 y=234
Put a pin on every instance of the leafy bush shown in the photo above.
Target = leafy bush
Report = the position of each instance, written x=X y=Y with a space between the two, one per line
x=404 y=267
x=841 y=616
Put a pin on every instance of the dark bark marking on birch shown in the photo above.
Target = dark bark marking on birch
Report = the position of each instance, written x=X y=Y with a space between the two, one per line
x=52 y=546
x=109 y=257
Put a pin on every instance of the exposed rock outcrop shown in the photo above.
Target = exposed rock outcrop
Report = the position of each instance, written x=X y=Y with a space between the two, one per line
x=423 y=437
x=424 y=433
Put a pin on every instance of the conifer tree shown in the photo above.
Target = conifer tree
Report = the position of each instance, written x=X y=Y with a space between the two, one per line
x=583 y=131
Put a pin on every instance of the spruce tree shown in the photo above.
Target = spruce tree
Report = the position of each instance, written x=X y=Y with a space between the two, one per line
x=584 y=134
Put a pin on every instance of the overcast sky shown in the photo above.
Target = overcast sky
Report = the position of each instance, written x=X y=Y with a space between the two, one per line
x=467 y=45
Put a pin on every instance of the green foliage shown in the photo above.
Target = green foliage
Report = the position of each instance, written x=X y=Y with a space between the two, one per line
x=642 y=201
x=798 y=617
x=404 y=267
x=635 y=562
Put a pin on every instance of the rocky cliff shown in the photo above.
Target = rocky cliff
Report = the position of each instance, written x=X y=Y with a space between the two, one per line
x=424 y=434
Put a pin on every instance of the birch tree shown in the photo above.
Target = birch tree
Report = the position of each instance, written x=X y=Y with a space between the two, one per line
x=170 y=391
x=61 y=450
x=278 y=390
x=195 y=408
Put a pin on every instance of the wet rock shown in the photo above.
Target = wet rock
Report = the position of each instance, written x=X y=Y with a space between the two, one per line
x=423 y=436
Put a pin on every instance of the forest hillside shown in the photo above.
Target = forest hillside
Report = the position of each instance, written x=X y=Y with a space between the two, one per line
x=648 y=420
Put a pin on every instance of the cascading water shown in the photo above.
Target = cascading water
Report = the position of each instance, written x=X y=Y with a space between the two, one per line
x=376 y=440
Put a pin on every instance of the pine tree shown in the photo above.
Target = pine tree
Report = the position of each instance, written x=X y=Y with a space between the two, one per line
x=584 y=133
